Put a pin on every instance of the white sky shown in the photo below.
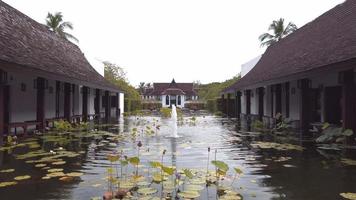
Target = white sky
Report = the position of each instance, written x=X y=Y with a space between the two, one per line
x=156 y=40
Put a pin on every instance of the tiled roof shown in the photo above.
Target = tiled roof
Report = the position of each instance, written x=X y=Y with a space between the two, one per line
x=328 y=40
x=29 y=44
x=174 y=88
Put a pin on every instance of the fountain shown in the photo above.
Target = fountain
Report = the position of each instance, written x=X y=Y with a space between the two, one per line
x=174 y=121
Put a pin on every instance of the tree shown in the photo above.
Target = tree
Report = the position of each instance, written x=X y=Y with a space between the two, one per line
x=148 y=85
x=279 y=31
x=114 y=72
x=56 y=24
x=142 y=87
x=117 y=76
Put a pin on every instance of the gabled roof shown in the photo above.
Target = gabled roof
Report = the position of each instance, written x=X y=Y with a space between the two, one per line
x=328 y=40
x=172 y=88
x=29 y=44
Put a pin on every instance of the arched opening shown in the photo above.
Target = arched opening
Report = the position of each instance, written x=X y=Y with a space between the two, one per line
x=179 y=100
x=167 y=100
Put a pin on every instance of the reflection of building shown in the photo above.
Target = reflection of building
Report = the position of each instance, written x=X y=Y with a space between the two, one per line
x=171 y=93
x=308 y=77
x=44 y=78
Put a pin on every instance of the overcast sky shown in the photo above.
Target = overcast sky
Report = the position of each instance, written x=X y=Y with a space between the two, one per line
x=156 y=40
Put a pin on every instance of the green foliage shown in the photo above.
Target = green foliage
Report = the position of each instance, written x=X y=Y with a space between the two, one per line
x=166 y=112
x=220 y=165
x=238 y=170
x=168 y=170
x=188 y=173
x=257 y=125
x=155 y=164
x=211 y=91
x=211 y=105
x=134 y=160
x=279 y=29
x=56 y=24
x=332 y=134
x=62 y=126
x=117 y=76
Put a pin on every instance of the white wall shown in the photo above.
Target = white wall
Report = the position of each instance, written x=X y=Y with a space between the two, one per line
x=121 y=102
x=22 y=103
x=254 y=102
x=50 y=100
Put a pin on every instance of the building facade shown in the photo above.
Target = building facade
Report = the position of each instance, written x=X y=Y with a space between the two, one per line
x=169 y=94
x=308 y=77
x=44 y=78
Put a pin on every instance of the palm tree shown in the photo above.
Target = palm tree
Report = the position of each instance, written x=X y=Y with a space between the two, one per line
x=141 y=87
x=56 y=24
x=279 y=31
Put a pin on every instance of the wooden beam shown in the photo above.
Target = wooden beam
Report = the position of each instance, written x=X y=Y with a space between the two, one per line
x=97 y=103
x=238 y=104
x=348 y=100
x=67 y=101
x=40 y=107
x=58 y=93
x=117 y=105
x=248 y=101
x=278 y=98
x=287 y=93
x=2 y=112
x=85 y=103
x=107 y=106
x=228 y=113
x=304 y=106
x=261 y=92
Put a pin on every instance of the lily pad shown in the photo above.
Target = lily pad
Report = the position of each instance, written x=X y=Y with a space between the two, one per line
x=349 y=195
x=55 y=170
x=189 y=194
x=75 y=174
x=7 y=170
x=147 y=191
x=5 y=184
x=41 y=165
x=20 y=178
x=59 y=163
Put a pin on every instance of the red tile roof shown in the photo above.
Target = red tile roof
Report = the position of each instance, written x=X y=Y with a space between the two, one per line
x=29 y=44
x=328 y=40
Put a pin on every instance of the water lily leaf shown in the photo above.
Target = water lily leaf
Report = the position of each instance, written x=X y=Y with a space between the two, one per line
x=74 y=174
x=20 y=178
x=55 y=170
x=147 y=191
x=155 y=164
x=157 y=177
x=348 y=132
x=195 y=187
x=168 y=170
x=238 y=170
x=41 y=165
x=134 y=160
x=348 y=195
x=7 y=170
x=56 y=174
x=113 y=158
x=59 y=163
x=220 y=165
x=66 y=178
x=189 y=194
x=348 y=161
x=188 y=173
x=5 y=184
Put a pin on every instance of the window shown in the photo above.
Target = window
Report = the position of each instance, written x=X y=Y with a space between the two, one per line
x=167 y=100
x=179 y=100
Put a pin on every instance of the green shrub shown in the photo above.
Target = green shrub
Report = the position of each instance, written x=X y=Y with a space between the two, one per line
x=166 y=112
x=257 y=125
x=62 y=126
x=211 y=105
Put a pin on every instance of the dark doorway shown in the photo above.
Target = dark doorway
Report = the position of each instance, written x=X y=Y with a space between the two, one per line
x=5 y=107
x=173 y=100
x=332 y=104
x=315 y=95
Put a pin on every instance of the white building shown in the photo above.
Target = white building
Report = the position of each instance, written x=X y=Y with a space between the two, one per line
x=44 y=78
x=171 y=94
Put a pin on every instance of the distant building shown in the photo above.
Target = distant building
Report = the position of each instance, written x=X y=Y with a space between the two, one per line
x=171 y=94
x=308 y=77
x=44 y=78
